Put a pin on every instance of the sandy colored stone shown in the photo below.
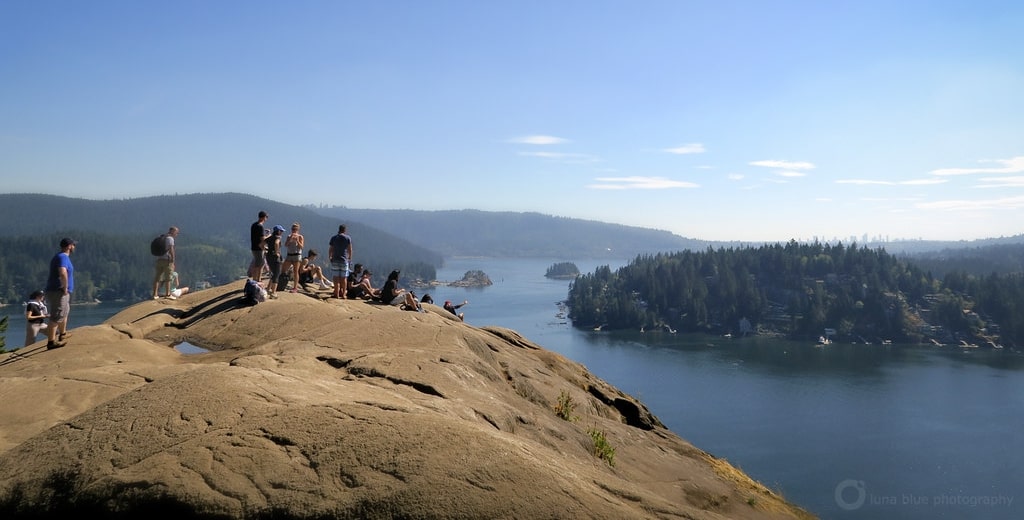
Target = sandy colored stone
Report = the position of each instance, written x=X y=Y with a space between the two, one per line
x=312 y=408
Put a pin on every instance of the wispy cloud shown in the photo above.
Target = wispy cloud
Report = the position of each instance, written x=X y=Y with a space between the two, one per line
x=563 y=156
x=735 y=176
x=1014 y=165
x=686 y=149
x=1001 y=182
x=538 y=139
x=913 y=182
x=784 y=165
x=974 y=205
x=924 y=182
x=639 y=183
x=790 y=174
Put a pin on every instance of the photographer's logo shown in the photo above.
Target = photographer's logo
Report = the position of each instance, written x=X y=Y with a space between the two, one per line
x=850 y=494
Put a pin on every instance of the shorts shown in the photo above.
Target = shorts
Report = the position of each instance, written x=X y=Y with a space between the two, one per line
x=259 y=259
x=163 y=270
x=59 y=305
x=32 y=331
x=339 y=268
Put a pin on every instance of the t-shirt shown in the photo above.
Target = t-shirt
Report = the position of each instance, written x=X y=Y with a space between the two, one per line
x=274 y=249
x=256 y=236
x=339 y=247
x=37 y=308
x=390 y=291
x=53 y=282
x=168 y=245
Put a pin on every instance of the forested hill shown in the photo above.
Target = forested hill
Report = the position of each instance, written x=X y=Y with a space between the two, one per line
x=113 y=260
x=802 y=290
x=517 y=235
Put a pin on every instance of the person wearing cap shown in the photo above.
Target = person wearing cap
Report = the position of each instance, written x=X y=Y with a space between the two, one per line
x=60 y=283
x=165 y=264
x=454 y=309
x=35 y=316
x=274 y=259
x=257 y=242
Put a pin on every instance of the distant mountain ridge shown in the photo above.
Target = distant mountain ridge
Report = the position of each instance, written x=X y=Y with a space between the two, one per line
x=509 y=234
x=427 y=234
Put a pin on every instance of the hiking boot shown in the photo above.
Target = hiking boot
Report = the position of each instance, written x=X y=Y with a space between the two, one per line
x=55 y=344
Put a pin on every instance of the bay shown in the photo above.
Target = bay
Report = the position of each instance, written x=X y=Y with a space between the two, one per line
x=846 y=431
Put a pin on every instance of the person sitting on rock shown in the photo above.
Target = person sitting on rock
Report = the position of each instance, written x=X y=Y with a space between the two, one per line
x=354 y=277
x=392 y=294
x=454 y=309
x=309 y=272
x=363 y=289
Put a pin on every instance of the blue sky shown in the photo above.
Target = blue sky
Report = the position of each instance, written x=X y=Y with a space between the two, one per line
x=718 y=120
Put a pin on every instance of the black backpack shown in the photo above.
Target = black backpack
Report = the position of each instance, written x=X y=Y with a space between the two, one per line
x=159 y=245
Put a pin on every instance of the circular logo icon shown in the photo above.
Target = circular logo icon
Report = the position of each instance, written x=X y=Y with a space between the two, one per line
x=850 y=494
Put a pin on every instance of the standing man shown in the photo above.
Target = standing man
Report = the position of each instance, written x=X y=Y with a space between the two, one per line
x=340 y=254
x=60 y=283
x=257 y=239
x=165 y=264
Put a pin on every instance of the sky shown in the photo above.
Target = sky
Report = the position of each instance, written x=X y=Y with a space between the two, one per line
x=761 y=120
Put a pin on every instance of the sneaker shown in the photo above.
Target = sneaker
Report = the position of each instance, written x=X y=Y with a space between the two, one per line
x=64 y=336
x=323 y=285
x=155 y=297
x=55 y=344
x=170 y=297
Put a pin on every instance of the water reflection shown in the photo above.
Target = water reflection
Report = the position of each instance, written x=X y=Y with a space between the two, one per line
x=187 y=348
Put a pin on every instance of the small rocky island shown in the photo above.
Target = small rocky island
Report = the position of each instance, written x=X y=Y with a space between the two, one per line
x=562 y=271
x=473 y=278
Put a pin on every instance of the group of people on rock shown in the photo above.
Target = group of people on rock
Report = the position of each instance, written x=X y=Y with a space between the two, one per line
x=279 y=255
x=47 y=311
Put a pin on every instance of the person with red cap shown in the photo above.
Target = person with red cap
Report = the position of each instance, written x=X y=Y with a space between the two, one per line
x=454 y=309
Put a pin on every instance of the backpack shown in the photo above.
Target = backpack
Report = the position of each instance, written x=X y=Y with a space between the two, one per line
x=158 y=247
x=253 y=293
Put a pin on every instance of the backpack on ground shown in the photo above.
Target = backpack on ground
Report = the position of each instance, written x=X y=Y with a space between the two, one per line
x=253 y=293
x=282 y=281
x=158 y=247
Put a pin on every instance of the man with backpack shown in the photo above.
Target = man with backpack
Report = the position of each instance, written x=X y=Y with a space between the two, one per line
x=162 y=248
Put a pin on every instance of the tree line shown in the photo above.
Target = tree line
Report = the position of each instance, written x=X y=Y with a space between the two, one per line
x=800 y=290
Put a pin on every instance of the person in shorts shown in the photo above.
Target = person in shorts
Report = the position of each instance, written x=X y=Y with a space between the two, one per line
x=340 y=254
x=60 y=283
x=165 y=265
x=257 y=243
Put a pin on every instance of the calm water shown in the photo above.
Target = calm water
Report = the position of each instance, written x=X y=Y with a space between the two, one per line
x=847 y=431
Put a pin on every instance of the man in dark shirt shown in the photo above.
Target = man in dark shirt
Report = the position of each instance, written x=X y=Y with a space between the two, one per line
x=257 y=240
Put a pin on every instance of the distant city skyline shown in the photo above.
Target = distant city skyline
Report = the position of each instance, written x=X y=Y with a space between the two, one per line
x=736 y=120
